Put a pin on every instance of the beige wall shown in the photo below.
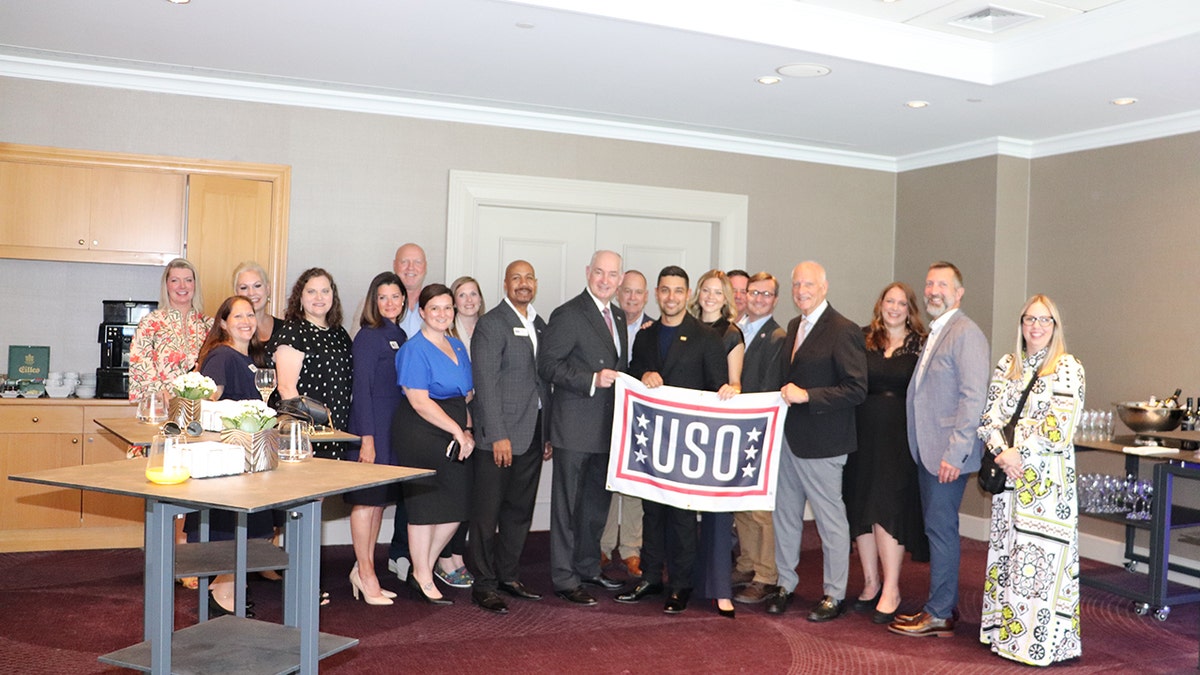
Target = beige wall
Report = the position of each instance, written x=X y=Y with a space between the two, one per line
x=362 y=184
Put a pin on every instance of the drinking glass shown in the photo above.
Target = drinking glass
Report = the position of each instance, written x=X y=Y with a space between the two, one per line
x=165 y=462
x=152 y=407
x=264 y=381
x=294 y=442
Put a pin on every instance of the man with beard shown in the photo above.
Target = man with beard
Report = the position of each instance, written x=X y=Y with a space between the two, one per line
x=509 y=400
x=945 y=399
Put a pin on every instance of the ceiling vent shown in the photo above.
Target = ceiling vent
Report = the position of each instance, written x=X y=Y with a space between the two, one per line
x=992 y=20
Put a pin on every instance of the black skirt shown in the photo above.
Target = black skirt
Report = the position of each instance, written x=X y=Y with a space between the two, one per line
x=446 y=496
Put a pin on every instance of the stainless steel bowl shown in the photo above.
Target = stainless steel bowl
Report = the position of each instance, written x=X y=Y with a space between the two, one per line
x=1141 y=418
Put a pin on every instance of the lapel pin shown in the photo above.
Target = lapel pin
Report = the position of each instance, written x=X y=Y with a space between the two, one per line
x=683 y=338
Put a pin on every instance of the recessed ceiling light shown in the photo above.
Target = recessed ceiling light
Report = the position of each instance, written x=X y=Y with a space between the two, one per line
x=769 y=79
x=803 y=70
x=179 y=2
x=524 y=24
x=1128 y=100
x=917 y=104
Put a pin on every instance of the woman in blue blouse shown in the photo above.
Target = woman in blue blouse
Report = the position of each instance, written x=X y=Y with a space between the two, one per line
x=376 y=397
x=432 y=430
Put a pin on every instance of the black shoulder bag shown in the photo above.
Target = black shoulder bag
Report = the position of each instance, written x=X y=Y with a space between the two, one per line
x=991 y=477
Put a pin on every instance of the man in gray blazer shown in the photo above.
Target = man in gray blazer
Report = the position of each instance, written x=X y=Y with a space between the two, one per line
x=584 y=349
x=945 y=399
x=510 y=399
x=755 y=568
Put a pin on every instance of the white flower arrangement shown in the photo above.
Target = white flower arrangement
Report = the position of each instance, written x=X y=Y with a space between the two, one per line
x=193 y=386
x=250 y=416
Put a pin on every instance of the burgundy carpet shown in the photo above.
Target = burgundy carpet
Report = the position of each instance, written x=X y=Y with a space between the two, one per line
x=59 y=611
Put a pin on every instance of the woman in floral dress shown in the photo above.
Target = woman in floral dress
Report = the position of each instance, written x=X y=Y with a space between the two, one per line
x=167 y=341
x=1031 y=588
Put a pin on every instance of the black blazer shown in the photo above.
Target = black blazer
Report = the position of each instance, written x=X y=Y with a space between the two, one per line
x=507 y=386
x=695 y=360
x=761 y=370
x=576 y=345
x=832 y=366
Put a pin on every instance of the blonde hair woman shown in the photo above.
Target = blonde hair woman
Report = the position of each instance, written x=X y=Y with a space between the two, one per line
x=167 y=341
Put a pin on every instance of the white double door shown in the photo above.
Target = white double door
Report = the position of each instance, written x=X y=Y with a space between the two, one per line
x=559 y=245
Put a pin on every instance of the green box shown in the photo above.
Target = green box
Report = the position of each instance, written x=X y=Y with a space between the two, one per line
x=27 y=362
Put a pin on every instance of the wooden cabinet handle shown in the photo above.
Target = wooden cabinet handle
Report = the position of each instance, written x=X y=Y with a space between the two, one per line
x=95 y=242
x=36 y=420
x=81 y=242
x=75 y=441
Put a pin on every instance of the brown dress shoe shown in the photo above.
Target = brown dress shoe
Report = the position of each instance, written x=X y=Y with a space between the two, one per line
x=740 y=578
x=752 y=594
x=634 y=564
x=923 y=625
x=604 y=560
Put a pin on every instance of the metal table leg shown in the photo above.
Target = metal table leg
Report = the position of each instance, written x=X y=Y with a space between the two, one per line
x=159 y=615
x=301 y=582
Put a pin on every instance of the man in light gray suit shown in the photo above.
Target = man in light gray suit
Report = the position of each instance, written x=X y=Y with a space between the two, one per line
x=945 y=399
x=510 y=399
x=585 y=347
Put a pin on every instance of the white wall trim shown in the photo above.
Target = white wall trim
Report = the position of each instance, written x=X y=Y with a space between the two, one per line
x=469 y=190
x=292 y=93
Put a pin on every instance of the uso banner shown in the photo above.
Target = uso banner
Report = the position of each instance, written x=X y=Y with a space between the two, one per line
x=689 y=449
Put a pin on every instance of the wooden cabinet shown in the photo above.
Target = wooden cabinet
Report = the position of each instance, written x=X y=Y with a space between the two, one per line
x=36 y=435
x=89 y=214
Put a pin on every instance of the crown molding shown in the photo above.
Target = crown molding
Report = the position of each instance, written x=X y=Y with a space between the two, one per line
x=379 y=103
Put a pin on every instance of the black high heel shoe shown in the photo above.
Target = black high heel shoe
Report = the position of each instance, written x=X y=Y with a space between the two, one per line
x=730 y=613
x=215 y=609
x=416 y=586
x=861 y=605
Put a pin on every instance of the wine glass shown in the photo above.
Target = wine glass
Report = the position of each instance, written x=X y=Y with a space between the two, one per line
x=152 y=407
x=264 y=381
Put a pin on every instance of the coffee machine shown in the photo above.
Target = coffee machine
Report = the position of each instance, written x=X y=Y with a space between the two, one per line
x=116 y=335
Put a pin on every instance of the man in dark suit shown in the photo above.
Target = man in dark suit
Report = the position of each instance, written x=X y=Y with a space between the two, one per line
x=946 y=396
x=679 y=351
x=825 y=361
x=584 y=349
x=510 y=399
x=755 y=568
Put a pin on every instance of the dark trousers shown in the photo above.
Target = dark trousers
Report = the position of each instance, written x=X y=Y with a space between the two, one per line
x=399 y=546
x=668 y=536
x=578 y=508
x=714 y=566
x=501 y=513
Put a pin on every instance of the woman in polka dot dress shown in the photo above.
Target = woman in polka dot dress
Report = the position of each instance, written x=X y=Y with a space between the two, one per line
x=313 y=357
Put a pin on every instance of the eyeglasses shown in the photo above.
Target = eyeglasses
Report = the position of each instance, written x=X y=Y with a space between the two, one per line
x=1043 y=321
x=762 y=294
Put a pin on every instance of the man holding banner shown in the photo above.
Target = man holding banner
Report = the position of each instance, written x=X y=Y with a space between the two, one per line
x=679 y=351
x=825 y=361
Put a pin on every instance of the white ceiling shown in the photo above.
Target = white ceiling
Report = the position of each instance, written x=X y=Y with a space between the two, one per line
x=672 y=71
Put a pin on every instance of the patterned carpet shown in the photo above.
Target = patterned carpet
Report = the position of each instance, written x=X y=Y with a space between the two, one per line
x=59 y=611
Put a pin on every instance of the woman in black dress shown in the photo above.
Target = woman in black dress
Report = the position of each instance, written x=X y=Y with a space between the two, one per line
x=314 y=354
x=883 y=501
x=432 y=430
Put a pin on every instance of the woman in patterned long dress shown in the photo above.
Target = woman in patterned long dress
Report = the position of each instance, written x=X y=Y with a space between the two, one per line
x=167 y=341
x=1031 y=587
x=314 y=353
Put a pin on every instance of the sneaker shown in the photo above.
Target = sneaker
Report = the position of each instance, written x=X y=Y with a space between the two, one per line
x=400 y=567
x=459 y=578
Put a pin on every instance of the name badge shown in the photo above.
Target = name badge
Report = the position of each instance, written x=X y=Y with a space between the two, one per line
x=393 y=345
x=253 y=368
x=520 y=331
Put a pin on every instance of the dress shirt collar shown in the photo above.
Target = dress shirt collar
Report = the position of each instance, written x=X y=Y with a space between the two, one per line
x=940 y=322
x=527 y=321
x=812 y=317
x=750 y=328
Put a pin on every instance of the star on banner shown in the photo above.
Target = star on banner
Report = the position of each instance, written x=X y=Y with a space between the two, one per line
x=751 y=453
x=754 y=435
x=641 y=438
x=642 y=421
x=748 y=471
x=640 y=456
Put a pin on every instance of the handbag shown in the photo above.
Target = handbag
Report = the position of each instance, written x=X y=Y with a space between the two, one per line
x=991 y=477
x=305 y=408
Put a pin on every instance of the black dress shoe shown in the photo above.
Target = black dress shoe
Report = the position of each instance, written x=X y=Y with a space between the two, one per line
x=882 y=618
x=578 y=596
x=215 y=609
x=778 y=601
x=643 y=589
x=518 y=590
x=603 y=582
x=490 y=601
x=861 y=605
x=678 y=601
x=827 y=609
x=416 y=587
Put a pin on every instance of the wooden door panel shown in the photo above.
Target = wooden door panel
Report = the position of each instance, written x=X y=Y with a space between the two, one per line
x=43 y=205
x=26 y=506
x=137 y=211
x=229 y=221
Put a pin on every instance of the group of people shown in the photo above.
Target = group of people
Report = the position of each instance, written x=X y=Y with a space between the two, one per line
x=884 y=425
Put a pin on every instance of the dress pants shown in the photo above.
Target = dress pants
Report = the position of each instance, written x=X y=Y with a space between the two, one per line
x=399 y=545
x=713 y=564
x=817 y=482
x=578 y=506
x=940 y=503
x=668 y=536
x=756 y=539
x=623 y=529
x=501 y=513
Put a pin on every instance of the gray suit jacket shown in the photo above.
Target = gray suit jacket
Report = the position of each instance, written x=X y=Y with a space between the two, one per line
x=507 y=385
x=945 y=407
x=575 y=346
x=760 y=369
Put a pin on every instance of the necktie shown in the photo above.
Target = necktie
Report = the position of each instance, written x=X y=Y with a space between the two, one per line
x=608 y=321
x=801 y=333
